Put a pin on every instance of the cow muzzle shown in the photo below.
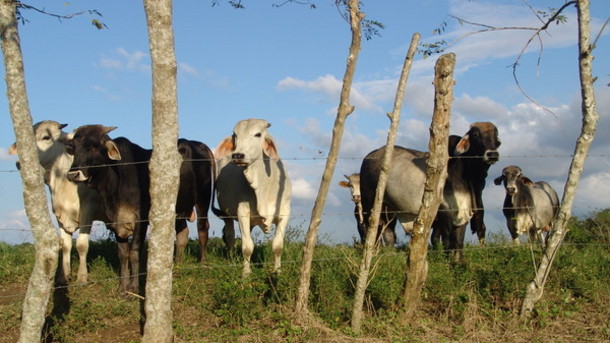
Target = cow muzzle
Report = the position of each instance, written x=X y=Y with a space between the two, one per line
x=511 y=190
x=76 y=176
x=239 y=159
x=491 y=156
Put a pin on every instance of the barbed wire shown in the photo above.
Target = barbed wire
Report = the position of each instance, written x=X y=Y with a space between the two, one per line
x=324 y=158
x=306 y=215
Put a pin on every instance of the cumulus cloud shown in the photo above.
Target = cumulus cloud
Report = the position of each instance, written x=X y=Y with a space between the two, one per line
x=302 y=189
x=364 y=95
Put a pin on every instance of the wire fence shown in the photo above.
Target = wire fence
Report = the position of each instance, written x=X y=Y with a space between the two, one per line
x=178 y=268
x=304 y=215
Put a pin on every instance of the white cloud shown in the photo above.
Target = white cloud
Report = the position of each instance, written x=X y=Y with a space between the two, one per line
x=4 y=155
x=593 y=193
x=364 y=95
x=499 y=44
x=188 y=69
x=125 y=60
x=302 y=189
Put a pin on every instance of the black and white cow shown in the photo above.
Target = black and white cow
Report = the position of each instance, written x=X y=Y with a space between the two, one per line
x=529 y=207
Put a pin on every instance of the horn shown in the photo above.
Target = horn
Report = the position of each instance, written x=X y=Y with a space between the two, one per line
x=107 y=129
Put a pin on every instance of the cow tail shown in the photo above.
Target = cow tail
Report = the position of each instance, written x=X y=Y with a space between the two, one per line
x=218 y=212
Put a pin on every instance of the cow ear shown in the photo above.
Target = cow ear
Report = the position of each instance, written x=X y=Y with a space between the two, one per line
x=224 y=148
x=270 y=150
x=344 y=184
x=498 y=180
x=526 y=181
x=13 y=149
x=113 y=151
x=463 y=145
x=61 y=126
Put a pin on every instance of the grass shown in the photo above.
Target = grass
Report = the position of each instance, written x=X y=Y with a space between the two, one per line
x=478 y=301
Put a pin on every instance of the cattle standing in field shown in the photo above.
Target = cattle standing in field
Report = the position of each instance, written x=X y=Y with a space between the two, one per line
x=529 y=207
x=252 y=187
x=118 y=170
x=387 y=222
x=75 y=206
x=196 y=188
x=470 y=158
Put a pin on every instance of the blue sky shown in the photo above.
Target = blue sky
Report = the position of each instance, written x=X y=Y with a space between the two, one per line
x=286 y=64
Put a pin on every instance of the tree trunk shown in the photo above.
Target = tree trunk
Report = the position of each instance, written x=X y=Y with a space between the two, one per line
x=344 y=110
x=47 y=242
x=589 y=126
x=164 y=172
x=370 y=245
x=436 y=174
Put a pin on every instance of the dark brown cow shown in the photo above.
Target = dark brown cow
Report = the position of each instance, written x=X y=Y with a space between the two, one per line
x=118 y=170
x=471 y=156
x=196 y=188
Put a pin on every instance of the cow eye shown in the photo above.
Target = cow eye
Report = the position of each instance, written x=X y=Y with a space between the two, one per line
x=257 y=134
x=46 y=138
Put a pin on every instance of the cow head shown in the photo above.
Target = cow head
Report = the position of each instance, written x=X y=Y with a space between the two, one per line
x=480 y=140
x=250 y=142
x=91 y=148
x=511 y=176
x=49 y=136
x=353 y=183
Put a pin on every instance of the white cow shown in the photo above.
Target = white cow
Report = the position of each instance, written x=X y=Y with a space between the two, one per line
x=75 y=206
x=252 y=187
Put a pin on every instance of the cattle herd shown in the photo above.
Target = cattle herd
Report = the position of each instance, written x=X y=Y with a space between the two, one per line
x=91 y=176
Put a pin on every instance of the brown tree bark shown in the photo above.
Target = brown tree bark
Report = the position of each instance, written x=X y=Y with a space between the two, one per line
x=371 y=244
x=436 y=174
x=164 y=172
x=535 y=289
x=344 y=110
x=46 y=240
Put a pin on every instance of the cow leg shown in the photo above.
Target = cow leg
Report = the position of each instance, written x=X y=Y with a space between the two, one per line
x=82 y=246
x=387 y=230
x=203 y=229
x=513 y=231
x=228 y=234
x=477 y=225
x=441 y=227
x=278 y=242
x=456 y=243
x=247 y=244
x=136 y=248
x=123 y=250
x=361 y=226
x=182 y=237
x=66 y=248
